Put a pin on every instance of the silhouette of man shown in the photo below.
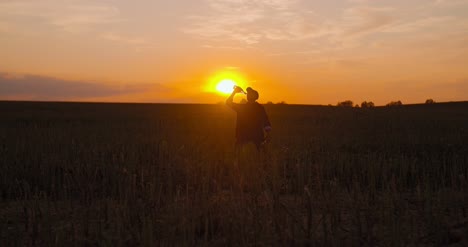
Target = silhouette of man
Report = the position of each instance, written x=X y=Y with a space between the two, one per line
x=252 y=125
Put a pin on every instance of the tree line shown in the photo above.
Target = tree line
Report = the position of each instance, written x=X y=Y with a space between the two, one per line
x=370 y=104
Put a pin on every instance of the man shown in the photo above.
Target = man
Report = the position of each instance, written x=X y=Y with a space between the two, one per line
x=252 y=120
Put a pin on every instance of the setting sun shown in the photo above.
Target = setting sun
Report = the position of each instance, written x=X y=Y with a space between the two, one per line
x=225 y=86
x=223 y=81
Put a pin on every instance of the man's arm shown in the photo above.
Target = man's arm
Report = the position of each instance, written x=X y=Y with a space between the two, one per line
x=229 y=100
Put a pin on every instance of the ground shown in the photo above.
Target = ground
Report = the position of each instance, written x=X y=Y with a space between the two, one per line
x=153 y=174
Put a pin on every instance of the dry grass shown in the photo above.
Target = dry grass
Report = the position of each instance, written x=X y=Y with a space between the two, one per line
x=124 y=174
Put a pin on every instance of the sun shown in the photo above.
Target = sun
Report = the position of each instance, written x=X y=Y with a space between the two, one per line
x=222 y=82
x=225 y=86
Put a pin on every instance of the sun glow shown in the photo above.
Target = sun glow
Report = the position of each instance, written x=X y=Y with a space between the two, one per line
x=225 y=86
x=223 y=82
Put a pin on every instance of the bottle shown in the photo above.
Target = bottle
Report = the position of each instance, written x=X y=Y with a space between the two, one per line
x=242 y=90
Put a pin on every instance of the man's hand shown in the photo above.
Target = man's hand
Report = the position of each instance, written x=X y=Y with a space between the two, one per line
x=267 y=138
x=237 y=89
x=231 y=97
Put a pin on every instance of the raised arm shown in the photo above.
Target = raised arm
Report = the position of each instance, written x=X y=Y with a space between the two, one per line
x=229 y=100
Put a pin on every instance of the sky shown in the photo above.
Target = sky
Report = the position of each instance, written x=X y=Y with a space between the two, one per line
x=297 y=51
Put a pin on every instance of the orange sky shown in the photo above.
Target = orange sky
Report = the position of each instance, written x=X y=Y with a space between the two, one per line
x=298 y=51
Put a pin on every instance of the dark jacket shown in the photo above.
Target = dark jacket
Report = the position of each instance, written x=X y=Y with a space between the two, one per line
x=251 y=121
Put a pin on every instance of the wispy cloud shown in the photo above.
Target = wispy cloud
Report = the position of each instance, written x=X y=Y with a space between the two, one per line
x=450 y=2
x=363 y=20
x=124 y=39
x=71 y=15
x=139 y=43
x=420 y=24
x=251 y=21
x=360 y=1
x=254 y=21
x=34 y=87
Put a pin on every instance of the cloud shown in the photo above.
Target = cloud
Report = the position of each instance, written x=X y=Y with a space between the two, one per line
x=124 y=39
x=363 y=20
x=250 y=21
x=450 y=2
x=34 y=87
x=70 y=16
x=255 y=21
x=138 y=43
x=410 y=26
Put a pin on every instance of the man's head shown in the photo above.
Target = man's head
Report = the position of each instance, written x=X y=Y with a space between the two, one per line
x=252 y=95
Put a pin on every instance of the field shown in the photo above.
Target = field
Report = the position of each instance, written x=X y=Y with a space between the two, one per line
x=151 y=174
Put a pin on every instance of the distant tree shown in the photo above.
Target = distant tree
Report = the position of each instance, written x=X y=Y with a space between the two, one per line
x=356 y=106
x=430 y=101
x=346 y=103
x=269 y=103
x=395 y=103
x=366 y=104
x=282 y=103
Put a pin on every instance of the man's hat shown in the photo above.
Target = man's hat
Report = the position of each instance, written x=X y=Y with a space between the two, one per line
x=252 y=93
